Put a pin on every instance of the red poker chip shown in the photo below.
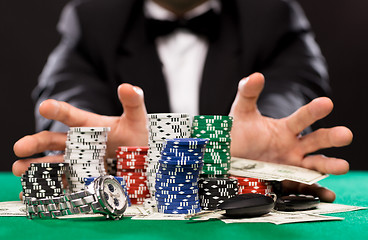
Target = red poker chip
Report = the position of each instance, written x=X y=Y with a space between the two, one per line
x=254 y=184
x=128 y=164
x=131 y=167
x=138 y=195
x=134 y=177
x=130 y=155
x=137 y=188
x=255 y=187
x=260 y=191
x=135 y=184
x=133 y=148
x=137 y=192
x=137 y=201
x=246 y=179
x=133 y=174
x=131 y=161
x=131 y=170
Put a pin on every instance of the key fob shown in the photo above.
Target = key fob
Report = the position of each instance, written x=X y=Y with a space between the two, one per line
x=296 y=202
x=247 y=205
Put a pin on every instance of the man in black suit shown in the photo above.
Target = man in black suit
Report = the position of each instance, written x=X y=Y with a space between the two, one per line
x=112 y=44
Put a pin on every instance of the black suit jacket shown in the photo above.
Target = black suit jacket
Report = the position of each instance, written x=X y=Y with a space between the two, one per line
x=104 y=44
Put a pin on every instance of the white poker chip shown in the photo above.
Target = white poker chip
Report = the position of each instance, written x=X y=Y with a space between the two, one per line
x=90 y=129
x=167 y=115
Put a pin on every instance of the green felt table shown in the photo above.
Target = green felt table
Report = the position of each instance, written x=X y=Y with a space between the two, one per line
x=351 y=189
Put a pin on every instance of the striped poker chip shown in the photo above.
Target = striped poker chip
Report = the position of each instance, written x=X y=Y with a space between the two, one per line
x=89 y=129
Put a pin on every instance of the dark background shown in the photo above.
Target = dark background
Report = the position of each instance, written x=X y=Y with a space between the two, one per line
x=27 y=35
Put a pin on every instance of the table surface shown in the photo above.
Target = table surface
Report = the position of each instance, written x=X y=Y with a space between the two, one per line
x=351 y=189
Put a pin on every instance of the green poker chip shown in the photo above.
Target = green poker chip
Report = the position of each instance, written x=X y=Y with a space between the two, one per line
x=215 y=117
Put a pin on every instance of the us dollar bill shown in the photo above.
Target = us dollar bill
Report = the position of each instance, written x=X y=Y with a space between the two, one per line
x=273 y=171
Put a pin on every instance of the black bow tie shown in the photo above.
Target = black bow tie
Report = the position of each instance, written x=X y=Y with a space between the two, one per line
x=206 y=24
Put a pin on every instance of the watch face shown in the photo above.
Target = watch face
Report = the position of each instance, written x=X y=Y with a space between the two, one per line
x=113 y=195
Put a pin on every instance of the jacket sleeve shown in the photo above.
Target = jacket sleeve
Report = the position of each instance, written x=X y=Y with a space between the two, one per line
x=293 y=65
x=70 y=75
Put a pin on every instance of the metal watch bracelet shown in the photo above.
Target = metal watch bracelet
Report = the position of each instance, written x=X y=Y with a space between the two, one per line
x=68 y=204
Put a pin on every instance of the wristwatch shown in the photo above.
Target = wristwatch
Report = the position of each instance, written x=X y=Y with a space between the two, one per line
x=104 y=195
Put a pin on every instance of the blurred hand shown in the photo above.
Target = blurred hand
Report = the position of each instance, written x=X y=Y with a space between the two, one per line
x=278 y=140
x=129 y=129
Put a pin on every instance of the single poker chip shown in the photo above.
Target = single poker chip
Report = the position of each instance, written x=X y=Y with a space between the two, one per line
x=85 y=151
x=180 y=162
x=137 y=188
x=217 y=132
x=215 y=117
x=180 y=197
x=175 y=181
x=190 y=142
x=176 y=204
x=164 y=177
x=133 y=149
x=185 y=184
x=86 y=147
x=48 y=165
x=87 y=140
x=167 y=115
x=131 y=170
x=133 y=174
x=176 y=188
x=176 y=171
x=173 y=173
x=259 y=191
x=41 y=195
x=165 y=207
x=45 y=172
x=120 y=167
x=27 y=178
x=183 y=211
x=178 y=167
x=212 y=125
x=89 y=129
x=210 y=135
x=182 y=192
x=131 y=156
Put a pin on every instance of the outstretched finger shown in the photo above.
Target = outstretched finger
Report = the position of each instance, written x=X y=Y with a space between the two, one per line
x=20 y=166
x=39 y=142
x=249 y=90
x=67 y=114
x=325 y=164
x=326 y=138
x=324 y=194
x=308 y=114
x=132 y=99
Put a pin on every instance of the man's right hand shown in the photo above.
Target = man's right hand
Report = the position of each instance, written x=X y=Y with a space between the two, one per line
x=129 y=129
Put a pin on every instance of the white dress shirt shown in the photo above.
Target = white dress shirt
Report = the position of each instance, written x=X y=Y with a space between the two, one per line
x=183 y=56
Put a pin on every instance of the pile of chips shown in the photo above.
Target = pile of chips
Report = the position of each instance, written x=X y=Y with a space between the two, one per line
x=43 y=180
x=177 y=176
x=253 y=185
x=217 y=129
x=213 y=191
x=85 y=151
x=89 y=180
x=131 y=165
x=161 y=127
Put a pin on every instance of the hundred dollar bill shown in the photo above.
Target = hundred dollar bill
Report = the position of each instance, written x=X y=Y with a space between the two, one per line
x=12 y=209
x=273 y=171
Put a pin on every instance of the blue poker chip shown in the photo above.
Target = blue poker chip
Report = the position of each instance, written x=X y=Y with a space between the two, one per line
x=181 y=211
x=187 y=141
x=162 y=207
x=174 y=187
x=176 y=177
x=180 y=162
x=175 y=181
x=173 y=167
x=181 y=185
x=176 y=203
x=177 y=196
x=182 y=192
x=183 y=158
x=174 y=173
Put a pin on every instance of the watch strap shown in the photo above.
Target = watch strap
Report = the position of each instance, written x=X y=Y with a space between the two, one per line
x=68 y=204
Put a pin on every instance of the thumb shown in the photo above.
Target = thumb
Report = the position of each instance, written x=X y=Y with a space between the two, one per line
x=132 y=99
x=249 y=90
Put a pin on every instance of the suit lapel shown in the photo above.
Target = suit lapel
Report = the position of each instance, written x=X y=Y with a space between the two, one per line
x=222 y=73
x=139 y=63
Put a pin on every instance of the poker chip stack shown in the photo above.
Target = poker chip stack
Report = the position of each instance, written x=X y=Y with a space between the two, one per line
x=253 y=185
x=214 y=191
x=177 y=176
x=131 y=166
x=89 y=180
x=43 y=180
x=111 y=166
x=161 y=127
x=217 y=129
x=85 y=152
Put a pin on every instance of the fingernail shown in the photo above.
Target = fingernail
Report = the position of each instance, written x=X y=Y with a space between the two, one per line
x=138 y=90
x=243 y=82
